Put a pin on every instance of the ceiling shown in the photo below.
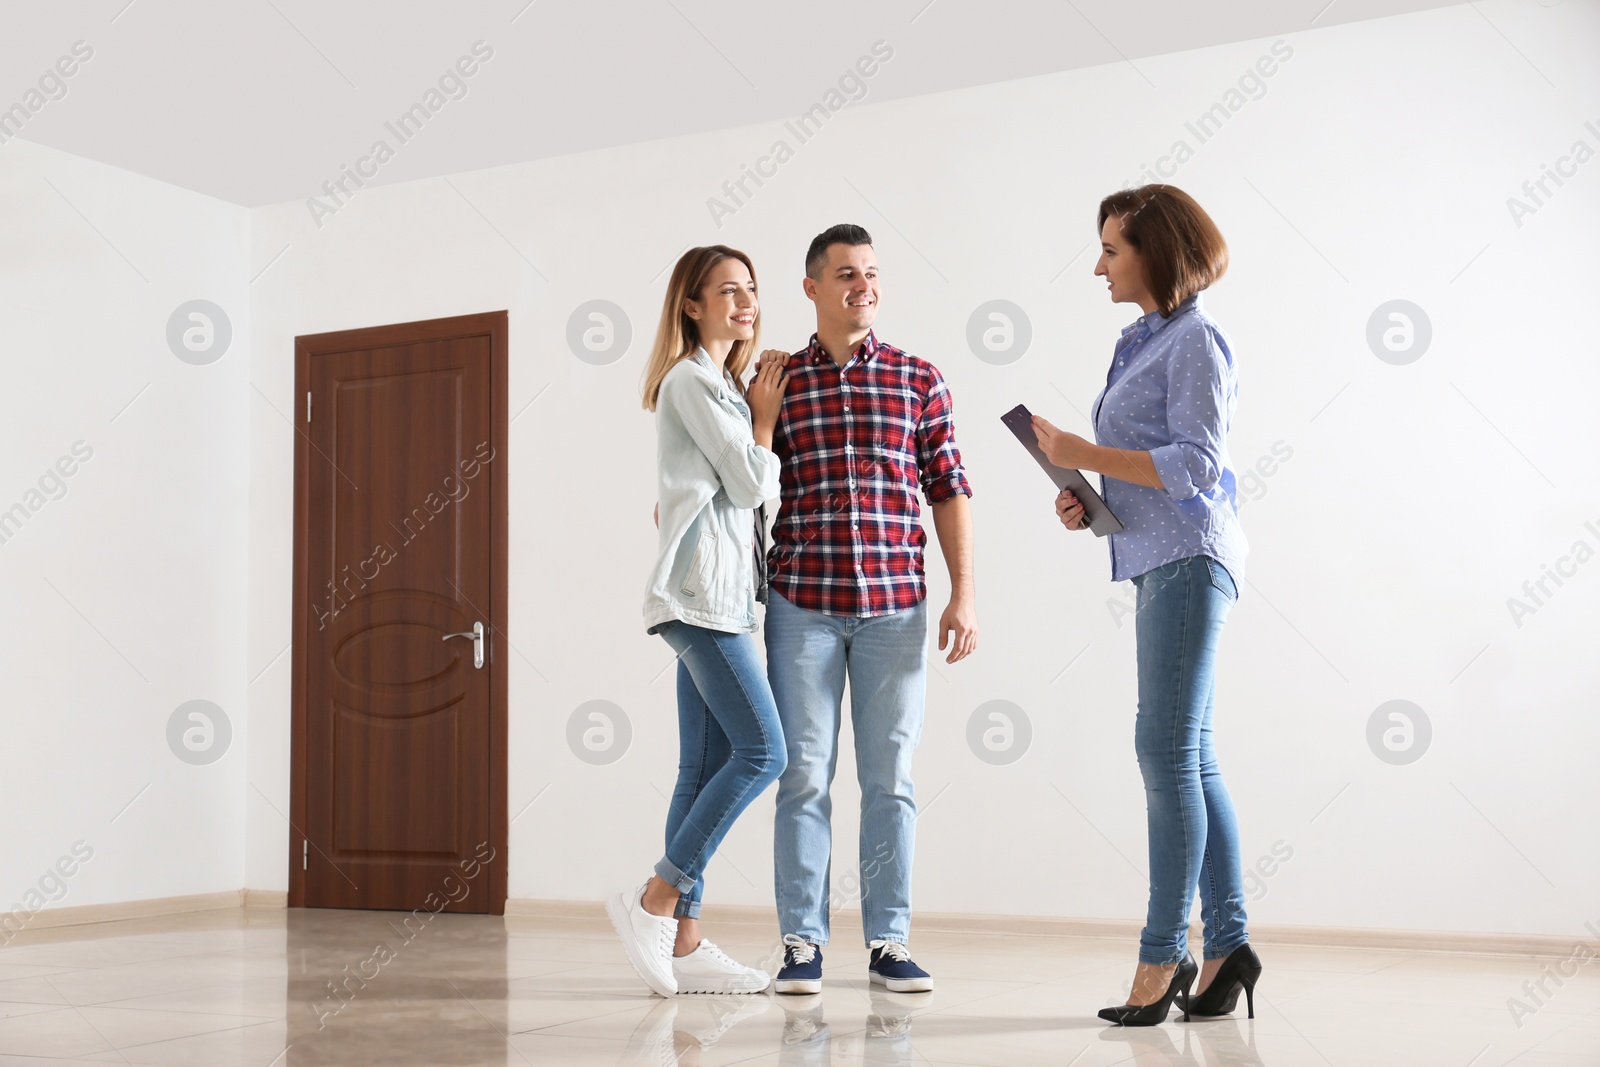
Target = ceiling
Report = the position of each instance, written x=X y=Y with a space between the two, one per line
x=261 y=101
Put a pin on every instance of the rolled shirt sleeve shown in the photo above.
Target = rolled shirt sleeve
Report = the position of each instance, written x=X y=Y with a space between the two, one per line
x=721 y=430
x=1197 y=406
x=938 y=458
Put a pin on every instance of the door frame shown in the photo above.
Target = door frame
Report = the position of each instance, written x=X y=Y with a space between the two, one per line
x=493 y=325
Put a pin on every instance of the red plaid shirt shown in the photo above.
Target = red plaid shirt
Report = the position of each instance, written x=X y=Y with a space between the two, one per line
x=856 y=442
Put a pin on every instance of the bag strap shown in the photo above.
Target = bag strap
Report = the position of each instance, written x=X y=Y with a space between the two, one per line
x=762 y=579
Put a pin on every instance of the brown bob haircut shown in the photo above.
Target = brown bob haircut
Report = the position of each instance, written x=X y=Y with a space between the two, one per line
x=1182 y=248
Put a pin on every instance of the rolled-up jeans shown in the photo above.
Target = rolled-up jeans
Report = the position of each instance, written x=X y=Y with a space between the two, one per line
x=730 y=748
x=1194 y=836
x=809 y=656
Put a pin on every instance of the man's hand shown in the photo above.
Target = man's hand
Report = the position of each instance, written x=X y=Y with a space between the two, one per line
x=1060 y=447
x=1070 y=511
x=961 y=619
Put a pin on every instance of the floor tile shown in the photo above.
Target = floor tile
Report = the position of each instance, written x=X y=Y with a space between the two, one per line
x=263 y=988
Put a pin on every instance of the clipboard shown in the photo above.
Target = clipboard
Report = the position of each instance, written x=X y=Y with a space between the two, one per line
x=1020 y=421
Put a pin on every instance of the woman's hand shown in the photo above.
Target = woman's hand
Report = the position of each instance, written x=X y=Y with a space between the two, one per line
x=766 y=397
x=1060 y=447
x=1069 y=509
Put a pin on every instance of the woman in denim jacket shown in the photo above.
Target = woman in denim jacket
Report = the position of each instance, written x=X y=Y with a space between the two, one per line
x=714 y=465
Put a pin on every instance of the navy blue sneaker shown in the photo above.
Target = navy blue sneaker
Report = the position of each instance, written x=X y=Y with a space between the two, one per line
x=891 y=967
x=802 y=967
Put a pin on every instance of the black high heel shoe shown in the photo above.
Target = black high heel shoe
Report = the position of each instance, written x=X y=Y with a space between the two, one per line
x=1151 y=1014
x=1239 y=971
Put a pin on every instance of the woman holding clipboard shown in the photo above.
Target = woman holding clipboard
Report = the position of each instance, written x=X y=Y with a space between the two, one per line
x=1161 y=427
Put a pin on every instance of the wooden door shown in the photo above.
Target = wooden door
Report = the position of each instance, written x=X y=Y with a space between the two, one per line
x=398 y=758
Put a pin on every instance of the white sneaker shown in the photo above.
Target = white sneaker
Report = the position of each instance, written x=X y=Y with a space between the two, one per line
x=709 y=970
x=647 y=939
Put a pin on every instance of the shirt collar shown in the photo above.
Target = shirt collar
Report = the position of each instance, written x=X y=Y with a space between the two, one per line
x=866 y=349
x=1150 y=324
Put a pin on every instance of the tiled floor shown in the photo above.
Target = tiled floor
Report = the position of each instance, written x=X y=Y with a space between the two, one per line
x=252 y=988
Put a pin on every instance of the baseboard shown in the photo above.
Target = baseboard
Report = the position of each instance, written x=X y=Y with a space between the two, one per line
x=945 y=922
x=266 y=898
x=1480 y=944
x=85 y=914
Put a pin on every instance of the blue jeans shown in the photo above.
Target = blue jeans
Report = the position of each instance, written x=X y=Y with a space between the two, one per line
x=1194 y=838
x=730 y=748
x=809 y=656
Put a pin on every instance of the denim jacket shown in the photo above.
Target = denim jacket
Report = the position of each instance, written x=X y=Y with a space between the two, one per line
x=710 y=475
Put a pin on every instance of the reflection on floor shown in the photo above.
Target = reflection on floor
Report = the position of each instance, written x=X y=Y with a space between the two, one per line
x=262 y=988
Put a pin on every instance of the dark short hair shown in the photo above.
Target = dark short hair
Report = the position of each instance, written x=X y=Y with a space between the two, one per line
x=1182 y=248
x=845 y=233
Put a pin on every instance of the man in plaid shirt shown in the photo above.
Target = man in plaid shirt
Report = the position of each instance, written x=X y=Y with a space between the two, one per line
x=864 y=427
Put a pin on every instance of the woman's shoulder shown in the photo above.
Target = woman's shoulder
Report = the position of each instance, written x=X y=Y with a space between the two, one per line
x=687 y=377
x=1197 y=334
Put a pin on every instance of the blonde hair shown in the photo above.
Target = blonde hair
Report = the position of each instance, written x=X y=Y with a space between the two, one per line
x=678 y=336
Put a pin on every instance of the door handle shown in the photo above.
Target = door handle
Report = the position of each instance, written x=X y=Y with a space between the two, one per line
x=476 y=633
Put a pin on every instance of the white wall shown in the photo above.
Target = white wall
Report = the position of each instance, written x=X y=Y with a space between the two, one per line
x=124 y=585
x=1418 y=498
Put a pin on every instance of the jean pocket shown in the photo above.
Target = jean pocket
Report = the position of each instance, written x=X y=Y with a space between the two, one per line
x=1221 y=579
